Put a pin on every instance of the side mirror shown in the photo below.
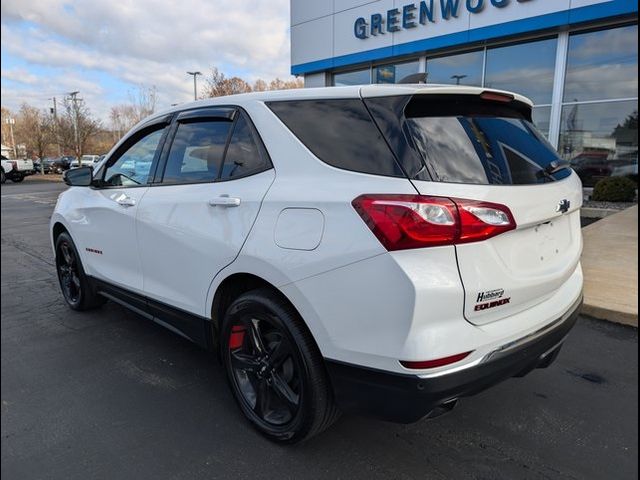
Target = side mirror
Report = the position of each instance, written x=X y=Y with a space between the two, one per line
x=78 y=177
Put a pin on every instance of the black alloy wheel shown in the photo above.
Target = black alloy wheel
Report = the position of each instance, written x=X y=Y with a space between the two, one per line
x=275 y=369
x=68 y=273
x=75 y=287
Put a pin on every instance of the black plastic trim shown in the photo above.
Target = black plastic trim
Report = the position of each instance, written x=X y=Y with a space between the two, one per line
x=406 y=398
x=187 y=324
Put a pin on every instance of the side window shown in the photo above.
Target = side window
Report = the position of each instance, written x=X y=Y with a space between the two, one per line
x=196 y=152
x=244 y=155
x=339 y=132
x=133 y=167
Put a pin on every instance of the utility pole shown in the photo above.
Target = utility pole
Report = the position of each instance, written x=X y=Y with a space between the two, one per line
x=74 y=100
x=458 y=78
x=54 y=112
x=195 y=83
x=11 y=121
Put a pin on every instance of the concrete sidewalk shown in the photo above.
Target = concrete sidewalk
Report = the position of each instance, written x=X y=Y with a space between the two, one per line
x=610 y=264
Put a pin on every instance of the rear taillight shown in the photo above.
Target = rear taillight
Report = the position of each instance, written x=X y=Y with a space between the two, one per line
x=438 y=362
x=415 y=221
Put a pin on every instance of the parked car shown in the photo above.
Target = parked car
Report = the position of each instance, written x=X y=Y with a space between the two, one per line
x=15 y=170
x=85 y=161
x=61 y=164
x=46 y=163
x=379 y=249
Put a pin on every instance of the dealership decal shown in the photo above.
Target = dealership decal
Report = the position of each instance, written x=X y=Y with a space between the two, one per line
x=411 y=15
x=491 y=299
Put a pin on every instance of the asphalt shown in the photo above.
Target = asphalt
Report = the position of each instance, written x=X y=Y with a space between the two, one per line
x=109 y=395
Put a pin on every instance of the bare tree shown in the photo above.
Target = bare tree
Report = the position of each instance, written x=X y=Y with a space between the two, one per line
x=76 y=119
x=219 y=85
x=126 y=115
x=34 y=129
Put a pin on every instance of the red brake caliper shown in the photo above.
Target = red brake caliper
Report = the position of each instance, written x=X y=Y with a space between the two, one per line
x=237 y=337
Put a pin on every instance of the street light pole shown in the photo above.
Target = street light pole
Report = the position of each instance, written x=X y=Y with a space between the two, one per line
x=74 y=100
x=10 y=122
x=195 y=83
x=458 y=78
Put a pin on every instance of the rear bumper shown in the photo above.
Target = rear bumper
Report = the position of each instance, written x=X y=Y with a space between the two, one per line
x=407 y=398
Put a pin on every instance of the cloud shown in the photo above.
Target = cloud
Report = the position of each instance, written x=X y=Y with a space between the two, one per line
x=143 y=42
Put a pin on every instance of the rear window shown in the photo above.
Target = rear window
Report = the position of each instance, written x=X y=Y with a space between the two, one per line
x=339 y=132
x=473 y=143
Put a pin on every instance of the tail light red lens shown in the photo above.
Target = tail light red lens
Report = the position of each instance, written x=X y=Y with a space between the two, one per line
x=416 y=221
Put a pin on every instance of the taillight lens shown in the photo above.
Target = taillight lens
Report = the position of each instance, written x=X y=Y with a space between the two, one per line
x=438 y=362
x=416 y=221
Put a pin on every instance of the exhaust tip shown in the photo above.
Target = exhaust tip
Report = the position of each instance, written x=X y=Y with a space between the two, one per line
x=440 y=410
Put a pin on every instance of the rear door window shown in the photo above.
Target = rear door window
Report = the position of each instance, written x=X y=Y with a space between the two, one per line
x=245 y=154
x=339 y=132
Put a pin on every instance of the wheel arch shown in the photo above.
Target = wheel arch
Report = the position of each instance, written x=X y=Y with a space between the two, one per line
x=225 y=290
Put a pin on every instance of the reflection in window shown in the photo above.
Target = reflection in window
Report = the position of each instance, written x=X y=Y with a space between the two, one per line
x=462 y=69
x=196 y=152
x=357 y=77
x=243 y=156
x=600 y=140
x=133 y=167
x=394 y=73
x=526 y=68
x=541 y=119
x=602 y=65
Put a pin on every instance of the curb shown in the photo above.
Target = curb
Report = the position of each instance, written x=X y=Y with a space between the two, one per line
x=608 y=315
x=591 y=212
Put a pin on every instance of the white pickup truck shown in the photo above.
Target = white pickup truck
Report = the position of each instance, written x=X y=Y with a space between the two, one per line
x=15 y=170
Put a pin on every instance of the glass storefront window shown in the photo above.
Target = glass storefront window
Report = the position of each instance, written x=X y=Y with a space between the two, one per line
x=525 y=68
x=394 y=73
x=462 y=69
x=356 y=77
x=600 y=139
x=602 y=65
x=541 y=118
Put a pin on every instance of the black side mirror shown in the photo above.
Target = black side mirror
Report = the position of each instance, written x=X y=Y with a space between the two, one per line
x=78 y=177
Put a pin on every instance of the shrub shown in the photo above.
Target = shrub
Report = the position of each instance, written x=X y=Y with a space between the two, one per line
x=614 y=189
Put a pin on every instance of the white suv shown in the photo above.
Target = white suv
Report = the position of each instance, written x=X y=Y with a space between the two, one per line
x=380 y=249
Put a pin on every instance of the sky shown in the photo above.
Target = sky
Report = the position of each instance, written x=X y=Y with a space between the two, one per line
x=106 y=50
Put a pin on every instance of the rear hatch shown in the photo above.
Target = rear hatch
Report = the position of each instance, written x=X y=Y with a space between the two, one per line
x=483 y=147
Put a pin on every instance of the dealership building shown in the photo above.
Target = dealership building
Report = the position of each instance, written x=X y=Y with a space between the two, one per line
x=577 y=60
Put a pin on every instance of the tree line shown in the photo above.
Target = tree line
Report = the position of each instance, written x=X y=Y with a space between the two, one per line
x=72 y=129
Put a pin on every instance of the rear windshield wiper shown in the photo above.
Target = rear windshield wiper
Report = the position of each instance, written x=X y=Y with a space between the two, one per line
x=555 y=166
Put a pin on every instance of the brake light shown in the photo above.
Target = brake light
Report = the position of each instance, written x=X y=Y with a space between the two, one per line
x=496 y=97
x=415 y=221
x=438 y=362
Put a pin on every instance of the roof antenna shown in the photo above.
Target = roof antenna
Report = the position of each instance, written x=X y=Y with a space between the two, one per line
x=415 y=78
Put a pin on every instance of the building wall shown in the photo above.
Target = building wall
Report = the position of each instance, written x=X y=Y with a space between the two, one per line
x=324 y=33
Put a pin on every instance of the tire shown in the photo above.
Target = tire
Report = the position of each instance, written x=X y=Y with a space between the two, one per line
x=76 y=289
x=3 y=177
x=274 y=368
x=18 y=178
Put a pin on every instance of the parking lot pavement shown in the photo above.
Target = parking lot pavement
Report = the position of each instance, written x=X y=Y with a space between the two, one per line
x=107 y=394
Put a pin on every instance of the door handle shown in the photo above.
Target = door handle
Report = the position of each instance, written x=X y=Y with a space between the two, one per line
x=125 y=200
x=225 y=201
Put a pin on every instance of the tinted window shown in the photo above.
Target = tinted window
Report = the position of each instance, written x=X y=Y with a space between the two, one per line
x=526 y=68
x=196 y=152
x=357 y=77
x=461 y=69
x=244 y=157
x=394 y=73
x=602 y=65
x=483 y=149
x=340 y=133
x=133 y=167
